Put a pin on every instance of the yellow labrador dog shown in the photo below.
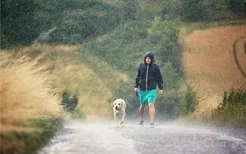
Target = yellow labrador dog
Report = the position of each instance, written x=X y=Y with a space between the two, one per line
x=119 y=107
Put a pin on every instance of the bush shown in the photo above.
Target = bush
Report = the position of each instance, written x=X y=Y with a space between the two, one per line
x=69 y=101
x=190 y=102
x=232 y=109
x=236 y=97
x=168 y=106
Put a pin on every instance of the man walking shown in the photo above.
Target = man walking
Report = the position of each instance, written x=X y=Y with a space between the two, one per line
x=147 y=79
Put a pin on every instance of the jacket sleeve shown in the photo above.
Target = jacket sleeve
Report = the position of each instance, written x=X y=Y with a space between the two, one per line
x=136 y=85
x=159 y=79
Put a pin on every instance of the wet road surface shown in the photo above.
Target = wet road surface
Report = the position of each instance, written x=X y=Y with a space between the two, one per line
x=105 y=138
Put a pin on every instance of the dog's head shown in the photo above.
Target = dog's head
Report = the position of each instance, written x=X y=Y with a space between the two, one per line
x=117 y=104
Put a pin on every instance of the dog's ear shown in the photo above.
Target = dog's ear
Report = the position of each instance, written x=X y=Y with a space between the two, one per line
x=124 y=103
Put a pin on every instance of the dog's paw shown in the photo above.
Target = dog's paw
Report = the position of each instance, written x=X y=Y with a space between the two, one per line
x=121 y=123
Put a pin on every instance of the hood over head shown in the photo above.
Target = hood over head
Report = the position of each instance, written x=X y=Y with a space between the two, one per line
x=150 y=55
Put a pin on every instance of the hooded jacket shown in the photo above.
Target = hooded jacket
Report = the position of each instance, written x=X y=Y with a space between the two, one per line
x=148 y=75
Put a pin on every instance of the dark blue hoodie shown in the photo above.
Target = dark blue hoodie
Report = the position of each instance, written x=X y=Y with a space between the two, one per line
x=148 y=76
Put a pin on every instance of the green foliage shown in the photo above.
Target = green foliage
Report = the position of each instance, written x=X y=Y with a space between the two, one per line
x=128 y=9
x=190 y=102
x=30 y=142
x=122 y=47
x=167 y=107
x=202 y=10
x=125 y=48
x=69 y=101
x=162 y=29
x=18 y=24
x=170 y=9
x=75 y=20
x=232 y=109
x=163 y=36
x=235 y=97
x=237 y=6
x=84 y=20
x=77 y=114
x=171 y=76
x=193 y=10
x=188 y=10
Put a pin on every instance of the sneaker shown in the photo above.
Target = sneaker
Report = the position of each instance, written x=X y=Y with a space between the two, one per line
x=141 y=123
x=152 y=125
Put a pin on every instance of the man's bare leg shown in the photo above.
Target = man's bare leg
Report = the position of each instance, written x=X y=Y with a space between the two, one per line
x=141 y=110
x=151 y=112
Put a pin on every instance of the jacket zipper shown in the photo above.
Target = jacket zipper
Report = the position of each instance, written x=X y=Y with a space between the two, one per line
x=147 y=72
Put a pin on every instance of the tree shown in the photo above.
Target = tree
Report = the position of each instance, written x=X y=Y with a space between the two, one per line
x=127 y=10
x=18 y=21
x=193 y=10
x=237 y=6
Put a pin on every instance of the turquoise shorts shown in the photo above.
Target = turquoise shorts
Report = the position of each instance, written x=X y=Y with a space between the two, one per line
x=147 y=96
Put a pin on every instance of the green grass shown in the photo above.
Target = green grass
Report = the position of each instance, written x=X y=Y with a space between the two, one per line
x=30 y=142
x=101 y=68
x=124 y=48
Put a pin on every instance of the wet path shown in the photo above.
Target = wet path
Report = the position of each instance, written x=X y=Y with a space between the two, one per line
x=101 y=138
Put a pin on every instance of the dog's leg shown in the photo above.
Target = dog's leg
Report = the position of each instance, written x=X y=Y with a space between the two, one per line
x=116 y=119
x=123 y=118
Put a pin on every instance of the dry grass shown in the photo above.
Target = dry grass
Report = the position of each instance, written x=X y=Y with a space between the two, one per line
x=66 y=68
x=32 y=82
x=91 y=90
x=208 y=59
x=80 y=73
x=25 y=93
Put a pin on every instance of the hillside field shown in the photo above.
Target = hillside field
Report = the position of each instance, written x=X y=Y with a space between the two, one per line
x=210 y=65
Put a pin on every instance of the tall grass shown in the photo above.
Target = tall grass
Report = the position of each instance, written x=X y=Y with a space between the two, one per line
x=232 y=109
x=26 y=98
x=79 y=72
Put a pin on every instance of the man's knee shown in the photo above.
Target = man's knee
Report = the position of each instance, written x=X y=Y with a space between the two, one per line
x=142 y=107
x=151 y=105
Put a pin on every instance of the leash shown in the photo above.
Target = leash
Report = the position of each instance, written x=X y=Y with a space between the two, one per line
x=137 y=104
